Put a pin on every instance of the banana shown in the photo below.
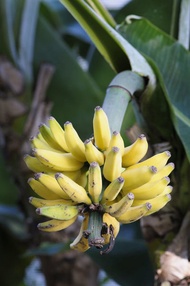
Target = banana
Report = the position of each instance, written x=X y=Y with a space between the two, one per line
x=134 y=213
x=48 y=137
x=58 y=134
x=58 y=161
x=112 y=167
x=74 y=143
x=74 y=175
x=109 y=220
x=150 y=189
x=92 y=153
x=167 y=190
x=41 y=190
x=81 y=242
x=158 y=160
x=134 y=178
x=60 y=212
x=35 y=165
x=116 y=140
x=82 y=179
x=38 y=203
x=120 y=207
x=164 y=172
x=77 y=193
x=135 y=152
x=37 y=143
x=51 y=184
x=112 y=190
x=101 y=129
x=94 y=182
x=56 y=225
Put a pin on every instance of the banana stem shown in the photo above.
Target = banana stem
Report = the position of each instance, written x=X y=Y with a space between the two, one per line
x=95 y=228
x=118 y=95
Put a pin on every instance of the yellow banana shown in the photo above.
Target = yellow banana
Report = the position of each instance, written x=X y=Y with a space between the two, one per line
x=35 y=165
x=112 y=190
x=56 y=225
x=60 y=212
x=116 y=140
x=112 y=166
x=164 y=172
x=134 y=178
x=37 y=143
x=94 y=182
x=158 y=160
x=150 y=189
x=135 y=152
x=134 y=213
x=77 y=193
x=167 y=190
x=48 y=137
x=51 y=184
x=81 y=242
x=74 y=175
x=120 y=207
x=41 y=190
x=92 y=153
x=109 y=220
x=101 y=129
x=58 y=161
x=38 y=203
x=58 y=133
x=82 y=179
x=74 y=143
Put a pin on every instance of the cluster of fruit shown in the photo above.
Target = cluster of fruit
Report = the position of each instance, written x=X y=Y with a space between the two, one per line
x=99 y=176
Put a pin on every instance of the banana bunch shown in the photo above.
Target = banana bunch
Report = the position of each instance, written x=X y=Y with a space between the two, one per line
x=99 y=179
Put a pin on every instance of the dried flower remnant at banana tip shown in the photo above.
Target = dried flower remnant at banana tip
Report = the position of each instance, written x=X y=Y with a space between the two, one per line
x=100 y=180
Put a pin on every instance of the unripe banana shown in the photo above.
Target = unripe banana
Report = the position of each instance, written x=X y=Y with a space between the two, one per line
x=77 y=193
x=150 y=189
x=35 y=165
x=81 y=242
x=41 y=190
x=116 y=140
x=60 y=212
x=134 y=178
x=118 y=208
x=58 y=161
x=58 y=133
x=56 y=225
x=134 y=213
x=135 y=152
x=101 y=129
x=74 y=143
x=158 y=160
x=112 y=190
x=41 y=144
x=51 y=184
x=92 y=153
x=38 y=203
x=95 y=182
x=48 y=136
x=109 y=220
x=112 y=166
x=164 y=172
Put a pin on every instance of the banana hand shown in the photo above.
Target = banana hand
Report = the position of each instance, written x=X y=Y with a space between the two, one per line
x=92 y=153
x=56 y=225
x=95 y=182
x=112 y=167
x=113 y=189
x=81 y=242
x=120 y=207
x=60 y=212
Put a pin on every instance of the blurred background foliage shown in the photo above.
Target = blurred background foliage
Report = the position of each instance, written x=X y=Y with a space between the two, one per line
x=49 y=65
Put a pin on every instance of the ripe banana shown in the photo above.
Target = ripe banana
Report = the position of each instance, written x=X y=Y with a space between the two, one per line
x=164 y=172
x=76 y=193
x=112 y=166
x=120 y=207
x=157 y=203
x=58 y=161
x=167 y=190
x=101 y=129
x=58 y=133
x=135 y=152
x=38 y=203
x=81 y=242
x=158 y=160
x=51 y=184
x=41 y=190
x=48 y=137
x=41 y=144
x=60 y=212
x=112 y=190
x=134 y=178
x=94 y=182
x=150 y=189
x=35 y=165
x=109 y=220
x=92 y=153
x=74 y=143
x=116 y=140
x=82 y=179
x=134 y=213
x=56 y=225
